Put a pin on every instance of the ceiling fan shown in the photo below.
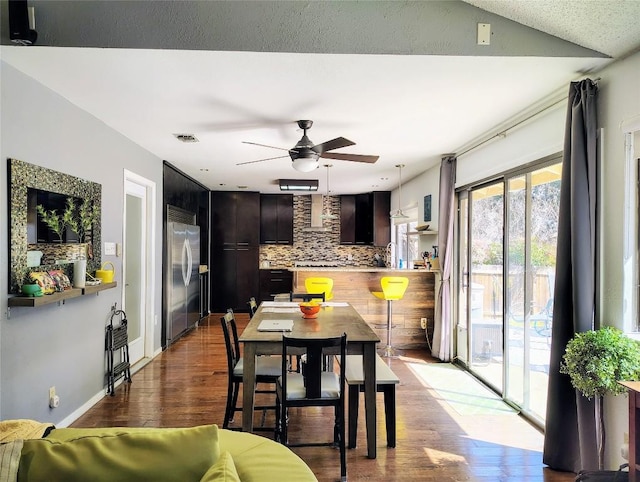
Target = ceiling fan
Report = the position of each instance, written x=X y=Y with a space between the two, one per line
x=304 y=155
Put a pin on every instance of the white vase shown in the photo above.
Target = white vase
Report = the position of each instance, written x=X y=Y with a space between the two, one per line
x=79 y=273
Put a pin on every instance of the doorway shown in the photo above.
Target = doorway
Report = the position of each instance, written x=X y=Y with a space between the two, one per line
x=138 y=264
x=507 y=234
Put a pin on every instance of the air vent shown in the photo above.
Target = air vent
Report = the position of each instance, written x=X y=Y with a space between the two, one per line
x=177 y=215
x=186 y=137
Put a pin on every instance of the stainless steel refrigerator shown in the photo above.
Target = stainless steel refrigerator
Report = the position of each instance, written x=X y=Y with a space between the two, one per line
x=182 y=284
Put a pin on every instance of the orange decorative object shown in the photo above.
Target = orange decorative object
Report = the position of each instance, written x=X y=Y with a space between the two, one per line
x=309 y=310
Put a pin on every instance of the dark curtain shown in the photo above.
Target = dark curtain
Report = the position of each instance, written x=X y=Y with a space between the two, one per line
x=442 y=331
x=570 y=434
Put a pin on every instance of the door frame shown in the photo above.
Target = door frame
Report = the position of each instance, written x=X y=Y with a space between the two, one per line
x=150 y=247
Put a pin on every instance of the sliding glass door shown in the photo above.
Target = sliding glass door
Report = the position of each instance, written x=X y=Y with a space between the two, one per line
x=486 y=247
x=532 y=228
x=506 y=273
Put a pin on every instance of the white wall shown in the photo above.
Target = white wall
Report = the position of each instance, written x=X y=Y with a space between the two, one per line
x=619 y=101
x=62 y=346
x=531 y=141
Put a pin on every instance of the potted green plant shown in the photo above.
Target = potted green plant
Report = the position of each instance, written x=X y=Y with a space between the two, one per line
x=28 y=285
x=596 y=361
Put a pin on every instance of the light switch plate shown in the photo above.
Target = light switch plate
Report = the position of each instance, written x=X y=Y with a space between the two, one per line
x=484 y=33
x=110 y=249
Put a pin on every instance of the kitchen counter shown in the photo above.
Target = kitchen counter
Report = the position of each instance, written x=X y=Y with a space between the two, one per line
x=363 y=269
x=356 y=284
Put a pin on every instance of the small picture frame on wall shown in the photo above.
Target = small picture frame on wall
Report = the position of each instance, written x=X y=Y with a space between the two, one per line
x=427 y=208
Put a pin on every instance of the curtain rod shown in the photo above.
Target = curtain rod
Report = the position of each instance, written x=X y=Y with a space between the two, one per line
x=503 y=133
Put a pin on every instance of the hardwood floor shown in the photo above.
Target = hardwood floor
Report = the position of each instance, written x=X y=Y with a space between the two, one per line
x=186 y=386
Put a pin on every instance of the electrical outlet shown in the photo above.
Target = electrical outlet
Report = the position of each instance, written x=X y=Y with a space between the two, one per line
x=423 y=323
x=54 y=400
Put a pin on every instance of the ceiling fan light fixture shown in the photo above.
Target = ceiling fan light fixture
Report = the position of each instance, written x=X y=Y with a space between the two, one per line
x=306 y=164
x=298 y=184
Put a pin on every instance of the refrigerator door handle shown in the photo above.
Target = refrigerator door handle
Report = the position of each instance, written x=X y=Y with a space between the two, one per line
x=187 y=262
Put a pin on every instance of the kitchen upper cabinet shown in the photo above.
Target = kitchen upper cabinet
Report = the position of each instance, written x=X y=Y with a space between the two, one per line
x=348 y=219
x=381 y=221
x=276 y=219
x=235 y=217
x=247 y=219
x=364 y=218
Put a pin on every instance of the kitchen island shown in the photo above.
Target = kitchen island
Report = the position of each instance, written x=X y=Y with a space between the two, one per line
x=355 y=285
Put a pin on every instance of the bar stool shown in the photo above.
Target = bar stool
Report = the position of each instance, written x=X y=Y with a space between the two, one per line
x=393 y=288
x=320 y=285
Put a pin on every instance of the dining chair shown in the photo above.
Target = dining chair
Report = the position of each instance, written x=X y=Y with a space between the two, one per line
x=253 y=307
x=267 y=371
x=313 y=387
x=320 y=285
x=306 y=296
x=393 y=288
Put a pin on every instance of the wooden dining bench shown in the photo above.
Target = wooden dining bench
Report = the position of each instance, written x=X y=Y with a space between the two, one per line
x=386 y=382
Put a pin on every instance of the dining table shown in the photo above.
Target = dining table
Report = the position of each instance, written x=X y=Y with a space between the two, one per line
x=333 y=319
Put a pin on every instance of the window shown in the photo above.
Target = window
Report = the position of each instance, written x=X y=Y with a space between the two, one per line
x=406 y=244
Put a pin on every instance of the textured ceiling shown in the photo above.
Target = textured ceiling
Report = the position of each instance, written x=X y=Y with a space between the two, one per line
x=608 y=26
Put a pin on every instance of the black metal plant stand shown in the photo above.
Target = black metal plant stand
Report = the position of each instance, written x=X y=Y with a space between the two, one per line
x=117 y=340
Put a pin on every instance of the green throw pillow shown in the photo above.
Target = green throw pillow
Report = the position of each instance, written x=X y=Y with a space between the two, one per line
x=158 y=455
x=224 y=470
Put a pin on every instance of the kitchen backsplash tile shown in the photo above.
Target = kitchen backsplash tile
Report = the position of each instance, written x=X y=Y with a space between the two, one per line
x=317 y=246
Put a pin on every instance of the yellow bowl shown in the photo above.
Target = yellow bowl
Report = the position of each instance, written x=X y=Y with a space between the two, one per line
x=309 y=309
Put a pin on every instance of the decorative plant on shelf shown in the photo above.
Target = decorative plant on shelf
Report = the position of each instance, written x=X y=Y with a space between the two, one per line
x=58 y=222
x=596 y=361
x=87 y=216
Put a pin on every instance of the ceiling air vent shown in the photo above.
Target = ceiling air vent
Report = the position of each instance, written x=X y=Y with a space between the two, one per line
x=186 y=137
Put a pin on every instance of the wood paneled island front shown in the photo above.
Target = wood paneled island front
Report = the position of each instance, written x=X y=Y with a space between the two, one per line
x=355 y=285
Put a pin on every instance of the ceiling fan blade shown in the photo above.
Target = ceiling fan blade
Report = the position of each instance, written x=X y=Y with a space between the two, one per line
x=260 y=160
x=336 y=143
x=264 y=145
x=349 y=157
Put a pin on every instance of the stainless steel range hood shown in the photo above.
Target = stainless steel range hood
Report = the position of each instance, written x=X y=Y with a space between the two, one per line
x=316 y=223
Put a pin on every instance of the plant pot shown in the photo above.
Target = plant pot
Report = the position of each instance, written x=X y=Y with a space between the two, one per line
x=31 y=290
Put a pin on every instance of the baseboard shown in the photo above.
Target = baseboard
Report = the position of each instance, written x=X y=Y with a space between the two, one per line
x=76 y=414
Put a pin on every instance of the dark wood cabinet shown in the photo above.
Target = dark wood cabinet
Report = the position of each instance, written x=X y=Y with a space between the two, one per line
x=364 y=218
x=248 y=219
x=347 y=219
x=235 y=236
x=274 y=281
x=634 y=430
x=276 y=219
x=381 y=220
x=235 y=218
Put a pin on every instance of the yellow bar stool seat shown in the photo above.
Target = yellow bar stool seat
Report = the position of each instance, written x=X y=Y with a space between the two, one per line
x=393 y=289
x=320 y=285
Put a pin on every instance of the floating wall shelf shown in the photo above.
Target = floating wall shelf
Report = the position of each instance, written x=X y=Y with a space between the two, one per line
x=36 y=301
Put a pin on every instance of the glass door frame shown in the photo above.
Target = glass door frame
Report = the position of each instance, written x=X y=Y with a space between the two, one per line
x=462 y=320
